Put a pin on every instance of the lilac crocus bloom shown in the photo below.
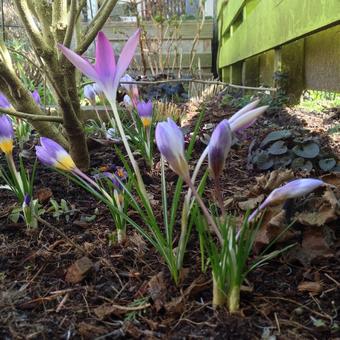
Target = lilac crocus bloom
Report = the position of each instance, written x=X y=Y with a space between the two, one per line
x=90 y=94
x=293 y=189
x=105 y=72
x=4 y=102
x=27 y=200
x=6 y=134
x=144 y=110
x=243 y=121
x=170 y=143
x=218 y=148
x=36 y=97
x=52 y=154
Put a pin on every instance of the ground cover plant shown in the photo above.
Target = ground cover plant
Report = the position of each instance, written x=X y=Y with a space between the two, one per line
x=187 y=227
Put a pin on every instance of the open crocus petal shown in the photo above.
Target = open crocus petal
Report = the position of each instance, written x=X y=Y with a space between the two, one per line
x=170 y=143
x=4 y=102
x=52 y=154
x=144 y=110
x=6 y=134
x=218 y=148
x=90 y=93
x=293 y=189
x=105 y=61
x=36 y=97
x=246 y=119
x=245 y=109
x=80 y=63
x=126 y=56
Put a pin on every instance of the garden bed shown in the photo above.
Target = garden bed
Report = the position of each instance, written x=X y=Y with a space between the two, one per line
x=126 y=290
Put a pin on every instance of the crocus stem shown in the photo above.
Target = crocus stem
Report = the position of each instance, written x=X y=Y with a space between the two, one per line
x=99 y=118
x=182 y=238
x=112 y=101
x=205 y=211
x=219 y=296
x=195 y=173
x=121 y=235
x=233 y=299
x=219 y=198
x=15 y=175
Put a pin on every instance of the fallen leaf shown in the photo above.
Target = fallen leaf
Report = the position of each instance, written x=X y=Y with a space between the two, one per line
x=89 y=331
x=251 y=203
x=271 y=181
x=332 y=178
x=78 y=270
x=310 y=286
x=44 y=194
x=157 y=290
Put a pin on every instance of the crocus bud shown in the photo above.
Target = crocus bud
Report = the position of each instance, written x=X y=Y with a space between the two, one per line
x=131 y=89
x=170 y=143
x=293 y=189
x=4 y=102
x=6 y=134
x=52 y=154
x=246 y=119
x=36 y=97
x=128 y=102
x=218 y=148
x=145 y=112
x=27 y=200
x=90 y=94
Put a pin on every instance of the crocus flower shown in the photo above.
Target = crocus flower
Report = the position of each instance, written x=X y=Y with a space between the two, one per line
x=6 y=134
x=36 y=97
x=90 y=94
x=27 y=201
x=293 y=189
x=4 y=102
x=131 y=89
x=218 y=148
x=105 y=72
x=241 y=122
x=128 y=102
x=144 y=110
x=170 y=142
x=52 y=154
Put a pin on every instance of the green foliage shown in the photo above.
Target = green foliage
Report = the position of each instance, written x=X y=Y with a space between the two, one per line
x=61 y=209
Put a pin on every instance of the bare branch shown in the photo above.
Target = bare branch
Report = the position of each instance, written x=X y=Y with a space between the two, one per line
x=95 y=25
x=71 y=23
x=31 y=117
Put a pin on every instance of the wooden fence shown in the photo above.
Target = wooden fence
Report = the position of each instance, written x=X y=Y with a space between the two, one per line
x=296 y=38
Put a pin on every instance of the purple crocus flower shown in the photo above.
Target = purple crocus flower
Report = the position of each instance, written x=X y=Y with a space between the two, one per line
x=4 y=102
x=241 y=122
x=27 y=200
x=6 y=134
x=52 y=154
x=170 y=143
x=105 y=72
x=90 y=94
x=218 y=148
x=293 y=189
x=144 y=110
x=36 y=97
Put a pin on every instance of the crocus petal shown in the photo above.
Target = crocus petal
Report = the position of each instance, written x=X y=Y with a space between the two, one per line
x=105 y=61
x=245 y=119
x=4 y=102
x=127 y=101
x=36 y=97
x=245 y=109
x=293 y=189
x=170 y=142
x=43 y=156
x=218 y=148
x=90 y=93
x=126 y=56
x=80 y=63
x=52 y=147
x=6 y=127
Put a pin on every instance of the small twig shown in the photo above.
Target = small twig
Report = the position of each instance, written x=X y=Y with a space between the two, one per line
x=62 y=234
x=31 y=117
x=62 y=302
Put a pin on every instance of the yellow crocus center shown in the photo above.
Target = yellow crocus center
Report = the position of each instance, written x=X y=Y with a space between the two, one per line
x=146 y=121
x=65 y=162
x=6 y=145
